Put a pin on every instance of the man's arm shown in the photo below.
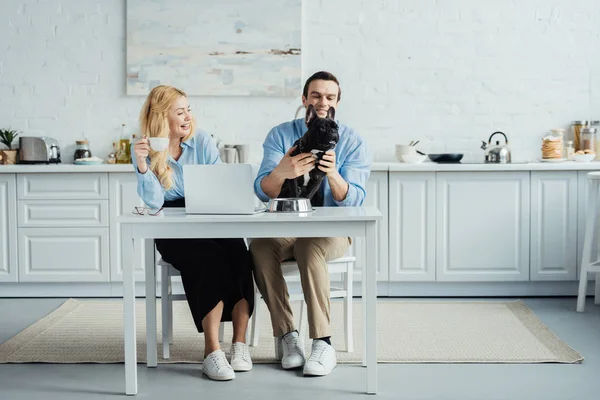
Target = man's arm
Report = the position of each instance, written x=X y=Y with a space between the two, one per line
x=348 y=185
x=339 y=186
x=272 y=183
x=277 y=166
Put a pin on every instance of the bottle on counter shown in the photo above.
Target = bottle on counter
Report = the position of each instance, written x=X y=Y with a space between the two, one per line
x=124 y=156
x=569 y=150
x=112 y=156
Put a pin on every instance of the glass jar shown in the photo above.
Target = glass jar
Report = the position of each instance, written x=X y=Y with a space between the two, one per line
x=82 y=150
x=552 y=145
x=588 y=140
x=577 y=126
x=569 y=150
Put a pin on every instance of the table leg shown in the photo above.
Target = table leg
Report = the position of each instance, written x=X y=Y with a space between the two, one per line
x=150 y=266
x=129 y=249
x=370 y=317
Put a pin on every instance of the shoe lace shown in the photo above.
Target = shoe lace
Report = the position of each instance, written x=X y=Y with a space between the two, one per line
x=241 y=350
x=219 y=361
x=291 y=344
x=318 y=351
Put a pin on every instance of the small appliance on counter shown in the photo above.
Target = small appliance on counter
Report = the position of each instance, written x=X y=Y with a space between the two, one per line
x=496 y=154
x=38 y=150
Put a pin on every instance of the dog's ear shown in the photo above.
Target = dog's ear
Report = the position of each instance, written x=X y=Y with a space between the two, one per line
x=311 y=114
x=331 y=113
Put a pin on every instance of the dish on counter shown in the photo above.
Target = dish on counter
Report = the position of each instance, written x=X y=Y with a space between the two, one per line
x=586 y=157
x=446 y=158
x=88 y=161
x=553 y=160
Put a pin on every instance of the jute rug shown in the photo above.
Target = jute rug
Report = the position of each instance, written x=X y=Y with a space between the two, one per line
x=407 y=332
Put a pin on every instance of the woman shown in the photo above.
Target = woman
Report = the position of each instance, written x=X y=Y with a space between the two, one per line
x=216 y=273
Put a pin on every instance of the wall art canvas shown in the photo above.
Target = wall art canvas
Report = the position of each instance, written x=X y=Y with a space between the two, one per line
x=215 y=48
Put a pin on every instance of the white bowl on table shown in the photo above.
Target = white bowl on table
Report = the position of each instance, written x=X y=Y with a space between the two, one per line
x=583 y=157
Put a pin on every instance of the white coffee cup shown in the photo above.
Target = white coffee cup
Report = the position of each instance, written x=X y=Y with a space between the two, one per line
x=158 y=143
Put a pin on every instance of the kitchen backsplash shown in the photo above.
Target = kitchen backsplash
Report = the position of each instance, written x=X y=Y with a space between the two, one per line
x=445 y=73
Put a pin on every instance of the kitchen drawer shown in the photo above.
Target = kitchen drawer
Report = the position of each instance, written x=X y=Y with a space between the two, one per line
x=63 y=255
x=63 y=213
x=66 y=186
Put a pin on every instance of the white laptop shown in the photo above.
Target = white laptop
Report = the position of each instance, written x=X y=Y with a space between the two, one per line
x=220 y=189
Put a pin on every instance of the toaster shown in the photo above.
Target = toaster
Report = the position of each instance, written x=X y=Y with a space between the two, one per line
x=38 y=150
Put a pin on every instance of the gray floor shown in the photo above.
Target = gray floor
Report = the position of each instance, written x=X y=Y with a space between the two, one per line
x=408 y=381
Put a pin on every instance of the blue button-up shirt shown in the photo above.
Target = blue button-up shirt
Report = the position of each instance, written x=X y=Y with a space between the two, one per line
x=199 y=149
x=352 y=159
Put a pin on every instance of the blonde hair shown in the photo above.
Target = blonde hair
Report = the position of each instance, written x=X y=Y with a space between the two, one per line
x=154 y=122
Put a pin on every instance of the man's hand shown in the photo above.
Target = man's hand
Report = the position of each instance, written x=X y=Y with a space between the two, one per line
x=327 y=163
x=339 y=187
x=292 y=167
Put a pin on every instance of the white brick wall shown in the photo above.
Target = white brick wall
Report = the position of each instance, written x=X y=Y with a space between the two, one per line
x=446 y=72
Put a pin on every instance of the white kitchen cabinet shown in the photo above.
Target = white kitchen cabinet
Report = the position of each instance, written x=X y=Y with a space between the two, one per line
x=63 y=255
x=64 y=186
x=482 y=226
x=553 y=225
x=412 y=226
x=377 y=196
x=65 y=213
x=8 y=228
x=123 y=198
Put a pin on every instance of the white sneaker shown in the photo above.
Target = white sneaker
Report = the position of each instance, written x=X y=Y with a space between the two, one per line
x=322 y=359
x=292 y=355
x=240 y=357
x=216 y=367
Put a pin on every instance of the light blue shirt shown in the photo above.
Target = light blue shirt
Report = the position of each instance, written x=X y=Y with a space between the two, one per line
x=199 y=149
x=352 y=159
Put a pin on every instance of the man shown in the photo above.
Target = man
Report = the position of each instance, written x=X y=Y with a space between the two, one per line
x=347 y=170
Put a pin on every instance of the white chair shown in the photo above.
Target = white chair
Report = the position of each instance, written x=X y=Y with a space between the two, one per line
x=167 y=297
x=587 y=266
x=344 y=266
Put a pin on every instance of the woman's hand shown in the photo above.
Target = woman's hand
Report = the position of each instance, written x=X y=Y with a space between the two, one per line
x=141 y=149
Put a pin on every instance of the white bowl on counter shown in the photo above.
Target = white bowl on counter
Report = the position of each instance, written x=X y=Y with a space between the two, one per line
x=583 y=157
x=411 y=158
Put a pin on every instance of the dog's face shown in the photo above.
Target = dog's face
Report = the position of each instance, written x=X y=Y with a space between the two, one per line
x=322 y=134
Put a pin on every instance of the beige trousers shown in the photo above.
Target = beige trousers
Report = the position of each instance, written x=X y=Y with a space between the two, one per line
x=312 y=255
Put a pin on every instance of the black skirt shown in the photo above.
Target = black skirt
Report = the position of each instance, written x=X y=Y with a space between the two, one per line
x=212 y=270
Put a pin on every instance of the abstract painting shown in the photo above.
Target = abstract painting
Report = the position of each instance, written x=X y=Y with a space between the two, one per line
x=215 y=48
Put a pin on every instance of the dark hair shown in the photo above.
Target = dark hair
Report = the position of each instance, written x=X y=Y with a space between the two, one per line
x=325 y=76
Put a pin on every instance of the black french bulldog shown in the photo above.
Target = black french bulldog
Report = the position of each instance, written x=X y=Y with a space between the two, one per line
x=322 y=135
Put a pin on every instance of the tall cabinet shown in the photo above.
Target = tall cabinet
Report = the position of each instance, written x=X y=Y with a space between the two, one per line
x=8 y=228
x=377 y=196
x=412 y=226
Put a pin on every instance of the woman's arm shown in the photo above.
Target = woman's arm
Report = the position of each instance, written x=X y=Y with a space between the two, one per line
x=148 y=187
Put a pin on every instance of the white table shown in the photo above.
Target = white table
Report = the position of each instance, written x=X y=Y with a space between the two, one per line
x=175 y=223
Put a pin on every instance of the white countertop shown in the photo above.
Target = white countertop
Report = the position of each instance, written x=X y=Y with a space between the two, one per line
x=59 y=168
x=522 y=166
x=376 y=167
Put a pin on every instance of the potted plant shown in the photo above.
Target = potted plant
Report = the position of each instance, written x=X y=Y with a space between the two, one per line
x=7 y=136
